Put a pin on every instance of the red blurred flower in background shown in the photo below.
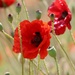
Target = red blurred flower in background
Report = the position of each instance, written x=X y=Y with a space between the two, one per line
x=35 y=39
x=6 y=3
x=62 y=16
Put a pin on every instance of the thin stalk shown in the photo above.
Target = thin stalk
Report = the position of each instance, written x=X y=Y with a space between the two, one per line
x=12 y=52
x=29 y=68
x=68 y=58
x=57 y=66
x=6 y=34
x=26 y=11
x=38 y=64
x=45 y=3
x=7 y=57
x=46 y=67
x=12 y=26
x=20 y=37
x=39 y=68
x=19 y=32
x=70 y=62
x=72 y=36
x=63 y=50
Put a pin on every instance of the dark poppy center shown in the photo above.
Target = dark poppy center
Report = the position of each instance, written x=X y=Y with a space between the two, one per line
x=64 y=14
x=37 y=39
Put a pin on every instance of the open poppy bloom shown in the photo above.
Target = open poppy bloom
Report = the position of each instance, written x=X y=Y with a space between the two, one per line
x=35 y=39
x=6 y=3
x=62 y=16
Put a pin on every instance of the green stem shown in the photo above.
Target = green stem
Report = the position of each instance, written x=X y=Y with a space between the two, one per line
x=22 y=66
x=29 y=68
x=12 y=26
x=32 y=67
x=45 y=3
x=63 y=50
x=7 y=35
x=46 y=68
x=68 y=58
x=72 y=36
x=39 y=68
x=38 y=64
x=7 y=57
x=11 y=50
x=19 y=32
x=27 y=16
x=57 y=66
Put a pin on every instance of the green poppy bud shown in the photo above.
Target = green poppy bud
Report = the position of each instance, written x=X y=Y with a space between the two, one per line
x=1 y=28
x=38 y=14
x=10 y=18
x=18 y=8
x=52 y=52
x=52 y=17
x=7 y=73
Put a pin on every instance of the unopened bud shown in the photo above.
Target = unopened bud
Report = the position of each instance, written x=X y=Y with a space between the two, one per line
x=52 y=17
x=10 y=18
x=52 y=52
x=38 y=14
x=18 y=8
x=1 y=28
x=7 y=73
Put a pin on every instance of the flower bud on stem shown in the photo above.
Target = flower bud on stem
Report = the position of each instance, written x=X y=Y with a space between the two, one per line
x=7 y=73
x=1 y=27
x=52 y=53
x=10 y=18
x=18 y=8
x=38 y=14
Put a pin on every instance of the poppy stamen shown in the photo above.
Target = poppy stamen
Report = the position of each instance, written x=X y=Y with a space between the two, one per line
x=64 y=14
x=37 y=39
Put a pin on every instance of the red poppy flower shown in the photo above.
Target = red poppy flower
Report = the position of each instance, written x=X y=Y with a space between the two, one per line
x=6 y=3
x=35 y=39
x=62 y=16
